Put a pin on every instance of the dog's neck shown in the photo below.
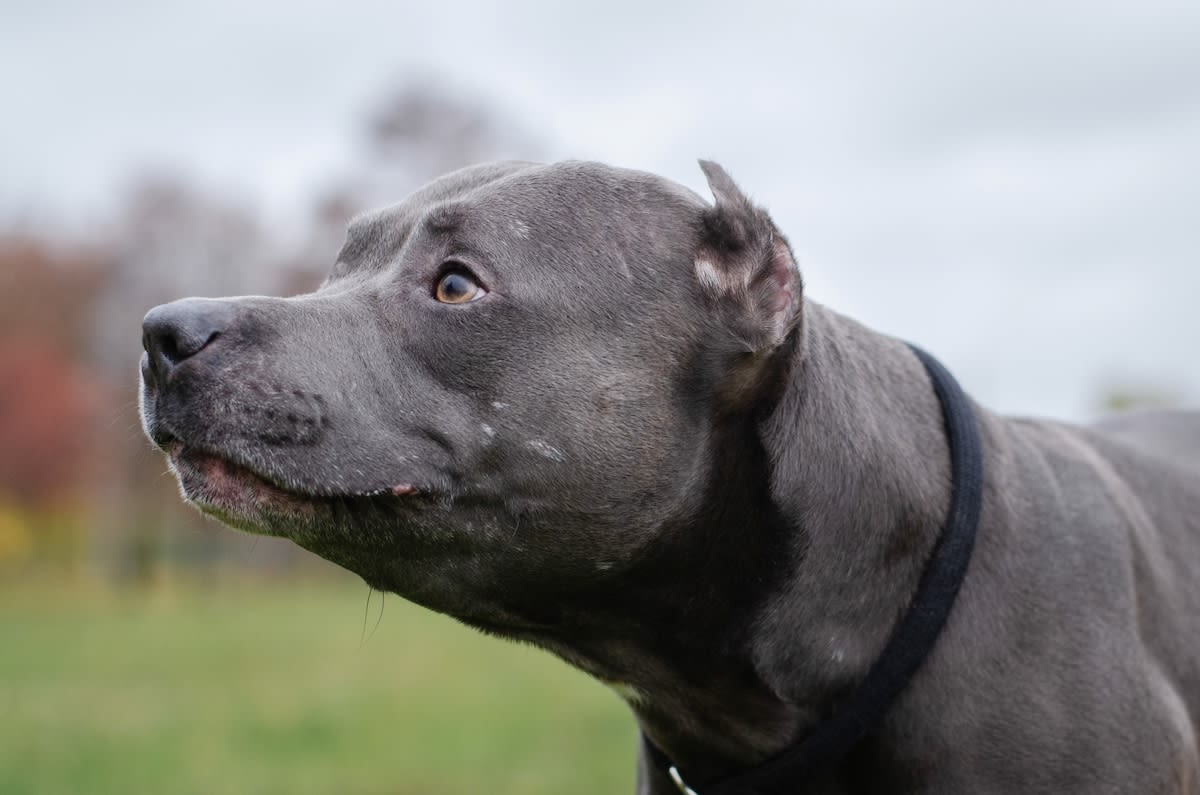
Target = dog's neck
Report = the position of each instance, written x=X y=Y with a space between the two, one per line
x=857 y=465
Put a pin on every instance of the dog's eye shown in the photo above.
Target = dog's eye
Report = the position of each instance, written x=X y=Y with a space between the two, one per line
x=458 y=287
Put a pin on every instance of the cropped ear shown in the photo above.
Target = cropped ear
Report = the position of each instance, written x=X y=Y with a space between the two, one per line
x=746 y=267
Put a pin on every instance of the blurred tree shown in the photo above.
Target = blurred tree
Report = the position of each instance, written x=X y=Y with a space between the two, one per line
x=47 y=404
x=418 y=130
x=49 y=400
x=421 y=130
x=47 y=290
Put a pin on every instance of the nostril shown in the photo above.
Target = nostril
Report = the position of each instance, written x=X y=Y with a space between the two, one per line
x=175 y=332
x=175 y=348
x=168 y=348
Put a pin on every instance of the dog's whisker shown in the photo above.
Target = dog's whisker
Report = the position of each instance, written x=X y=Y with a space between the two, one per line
x=366 y=610
x=382 y=603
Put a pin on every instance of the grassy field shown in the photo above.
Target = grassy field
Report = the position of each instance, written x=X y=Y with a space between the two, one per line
x=268 y=689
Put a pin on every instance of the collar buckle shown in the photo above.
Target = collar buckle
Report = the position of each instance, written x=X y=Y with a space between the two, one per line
x=673 y=772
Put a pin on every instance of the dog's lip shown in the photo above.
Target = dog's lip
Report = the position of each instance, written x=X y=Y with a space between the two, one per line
x=212 y=480
x=194 y=457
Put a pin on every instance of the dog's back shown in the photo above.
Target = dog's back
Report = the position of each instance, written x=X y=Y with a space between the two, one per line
x=1173 y=435
x=1149 y=463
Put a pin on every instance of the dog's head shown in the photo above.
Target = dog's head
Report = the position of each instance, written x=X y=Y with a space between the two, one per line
x=512 y=388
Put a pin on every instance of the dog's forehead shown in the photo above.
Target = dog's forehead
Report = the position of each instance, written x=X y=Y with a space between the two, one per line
x=514 y=195
x=387 y=222
x=577 y=197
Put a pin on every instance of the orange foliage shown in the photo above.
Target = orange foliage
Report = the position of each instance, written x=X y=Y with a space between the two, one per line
x=47 y=294
x=47 y=396
x=46 y=406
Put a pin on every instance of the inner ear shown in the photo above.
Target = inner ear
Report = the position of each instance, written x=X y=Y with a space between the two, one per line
x=746 y=268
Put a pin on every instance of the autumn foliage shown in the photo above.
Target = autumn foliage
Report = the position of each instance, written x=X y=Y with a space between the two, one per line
x=47 y=403
x=49 y=399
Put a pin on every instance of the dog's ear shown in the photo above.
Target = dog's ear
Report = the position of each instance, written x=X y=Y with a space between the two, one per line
x=745 y=266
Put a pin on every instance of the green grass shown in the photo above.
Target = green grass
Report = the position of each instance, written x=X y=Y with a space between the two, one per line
x=267 y=689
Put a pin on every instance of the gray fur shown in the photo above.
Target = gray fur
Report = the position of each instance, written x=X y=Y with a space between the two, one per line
x=644 y=451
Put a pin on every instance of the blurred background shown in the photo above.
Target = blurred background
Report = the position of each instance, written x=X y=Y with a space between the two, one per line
x=1015 y=186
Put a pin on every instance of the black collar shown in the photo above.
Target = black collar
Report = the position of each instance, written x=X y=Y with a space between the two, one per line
x=912 y=639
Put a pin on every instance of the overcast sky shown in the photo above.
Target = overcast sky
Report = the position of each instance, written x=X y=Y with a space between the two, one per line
x=1015 y=186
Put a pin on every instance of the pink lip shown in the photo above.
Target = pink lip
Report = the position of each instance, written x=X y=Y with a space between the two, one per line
x=232 y=490
x=211 y=481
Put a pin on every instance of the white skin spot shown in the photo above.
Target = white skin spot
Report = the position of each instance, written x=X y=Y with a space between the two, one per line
x=553 y=453
x=496 y=404
x=488 y=430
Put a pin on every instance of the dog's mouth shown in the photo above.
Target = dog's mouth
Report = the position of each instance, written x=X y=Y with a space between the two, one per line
x=251 y=500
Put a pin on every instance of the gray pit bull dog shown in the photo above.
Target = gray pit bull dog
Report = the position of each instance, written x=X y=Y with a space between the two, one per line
x=582 y=407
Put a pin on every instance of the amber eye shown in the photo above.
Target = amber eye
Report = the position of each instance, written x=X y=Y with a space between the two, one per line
x=458 y=287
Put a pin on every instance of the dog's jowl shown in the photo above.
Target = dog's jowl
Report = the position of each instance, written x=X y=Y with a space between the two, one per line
x=586 y=408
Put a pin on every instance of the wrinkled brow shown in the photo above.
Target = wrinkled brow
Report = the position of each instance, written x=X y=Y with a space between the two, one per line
x=374 y=238
x=444 y=218
x=372 y=235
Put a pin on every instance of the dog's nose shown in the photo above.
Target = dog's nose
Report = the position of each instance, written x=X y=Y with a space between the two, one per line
x=173 y=332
